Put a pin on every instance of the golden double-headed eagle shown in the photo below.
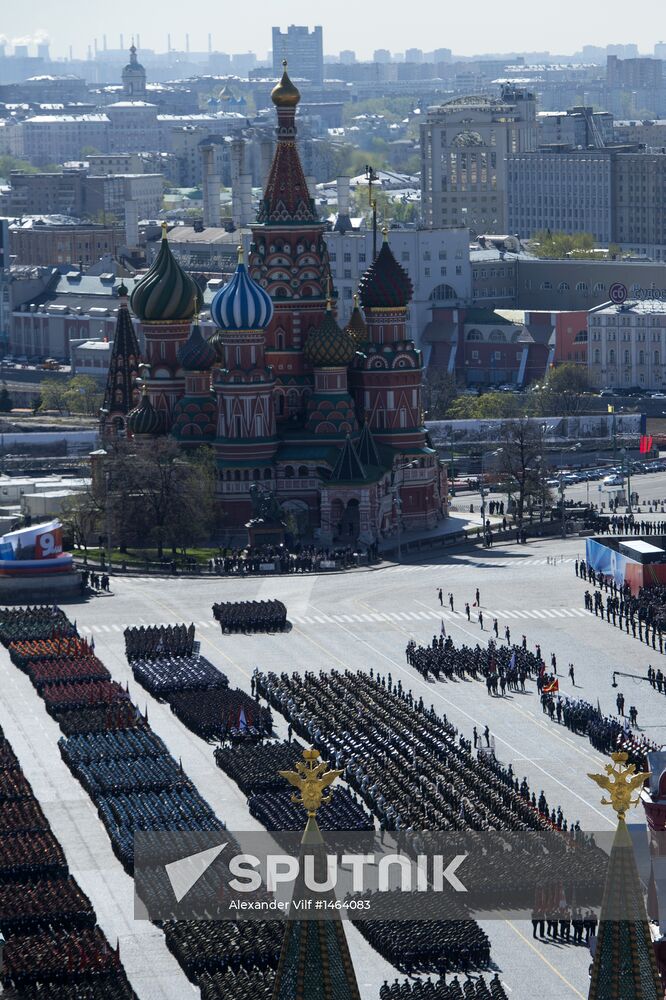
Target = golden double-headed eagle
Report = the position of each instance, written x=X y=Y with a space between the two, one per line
x=620 y=781
x=311 y=778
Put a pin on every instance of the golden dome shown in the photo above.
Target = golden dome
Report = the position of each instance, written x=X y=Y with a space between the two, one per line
x=284 y=94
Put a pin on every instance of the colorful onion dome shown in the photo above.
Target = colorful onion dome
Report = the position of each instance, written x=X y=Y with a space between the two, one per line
x=285 y=94
x=242 y=304
x=329 y=346
x=385 y=285
x=196 y=354
x=166 y=293
x=195 y=419
x=356 y=326
x=144 y=419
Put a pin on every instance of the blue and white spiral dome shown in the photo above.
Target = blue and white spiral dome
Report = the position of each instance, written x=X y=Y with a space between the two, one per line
x=242 y=304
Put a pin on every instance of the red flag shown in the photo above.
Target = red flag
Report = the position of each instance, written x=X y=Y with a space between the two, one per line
x=646 y=444
x=552 y=687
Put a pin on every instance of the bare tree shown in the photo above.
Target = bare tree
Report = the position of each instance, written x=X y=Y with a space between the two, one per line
x=521 y=463
x=156 y=493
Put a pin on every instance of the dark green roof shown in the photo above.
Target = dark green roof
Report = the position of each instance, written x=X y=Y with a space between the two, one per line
x=487 y=316
x=366 y=447
x=348 y=468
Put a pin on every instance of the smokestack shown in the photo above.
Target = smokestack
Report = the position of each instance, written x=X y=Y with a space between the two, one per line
x=71 y=54
x=168 y=43
x=21 y=52
x=89 y=53
x=138 y=41
x=95 y=47
x=43 y=51
x=122 y=42
x=343 y=195
x=245 y=181
x=210 y=43
x=211 y=186
x=187 y=44
x=104 y=42
x=132 y=224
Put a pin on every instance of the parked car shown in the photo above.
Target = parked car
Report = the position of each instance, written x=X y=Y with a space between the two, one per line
x=614 y=480
x=607 y=392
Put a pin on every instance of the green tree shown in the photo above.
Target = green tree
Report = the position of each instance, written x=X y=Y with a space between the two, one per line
x=563 y=394
x=489 y=406
x=53 y=395
x=6 y=402
x=558 y=245
x=9 y=163
x=83 y=394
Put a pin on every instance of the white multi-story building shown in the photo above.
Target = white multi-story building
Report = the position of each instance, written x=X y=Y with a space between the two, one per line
x=464 y=148
x=626 y=345
x=436 y=260
x=59 y=137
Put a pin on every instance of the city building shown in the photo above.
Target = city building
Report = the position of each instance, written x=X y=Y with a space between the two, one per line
x=328 y=419
x=571 y=285
x=464 y=148
x=73 y=192
x=53 y=240
x=54 y=138
x=579 y=126
x=486 y=347
x=303 y=49
x=627 y=345
x=562 y=189
x=639 y=193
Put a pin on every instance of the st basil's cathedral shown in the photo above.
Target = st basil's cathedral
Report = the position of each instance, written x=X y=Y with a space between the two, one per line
x=328 y=420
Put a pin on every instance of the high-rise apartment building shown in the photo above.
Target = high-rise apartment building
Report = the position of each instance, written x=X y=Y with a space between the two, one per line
x=303 y=49
x=464 y=148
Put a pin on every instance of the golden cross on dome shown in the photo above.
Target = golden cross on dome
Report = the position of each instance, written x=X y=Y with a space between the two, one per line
x=240 y=252
x=164 y=230
x=621 y=780
x=385 y=233
x=329 y=293
x=311 y=779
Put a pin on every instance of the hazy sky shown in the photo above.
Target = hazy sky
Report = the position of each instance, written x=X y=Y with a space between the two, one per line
x=467 y=28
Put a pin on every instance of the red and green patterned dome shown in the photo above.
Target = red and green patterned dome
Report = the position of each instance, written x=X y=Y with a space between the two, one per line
x=195 y=419
x=329 y=346
x=385 y=285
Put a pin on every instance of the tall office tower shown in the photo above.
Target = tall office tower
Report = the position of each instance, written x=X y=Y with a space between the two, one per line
x=303 y=49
